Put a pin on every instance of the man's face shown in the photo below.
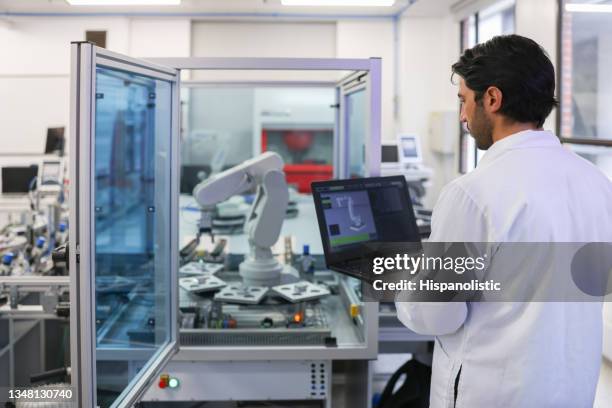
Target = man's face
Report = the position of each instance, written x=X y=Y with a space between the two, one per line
x=474 y=116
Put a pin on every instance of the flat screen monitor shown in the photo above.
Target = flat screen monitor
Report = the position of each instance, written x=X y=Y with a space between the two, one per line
x=191 y=176
x=18 y=179
x=409 y=149
x=389 y=154
x=55 y=141
x=50 y=173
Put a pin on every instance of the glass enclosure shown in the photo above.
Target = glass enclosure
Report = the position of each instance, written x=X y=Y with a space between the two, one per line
x=224 y=124
x=132 y=142
x=133 y=230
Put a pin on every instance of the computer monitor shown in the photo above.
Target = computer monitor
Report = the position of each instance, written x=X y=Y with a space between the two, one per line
x=191 y=176
x=409 y=147
x=50 y=173
x=50 y=177
x=18 y=179
x=355 y=212
x=389 y=153
x=55 y=141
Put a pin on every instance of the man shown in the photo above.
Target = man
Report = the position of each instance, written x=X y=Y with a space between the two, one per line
x=526 y=188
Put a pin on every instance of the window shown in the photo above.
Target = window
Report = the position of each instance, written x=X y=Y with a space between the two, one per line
x=585 y=123
x=497 y=19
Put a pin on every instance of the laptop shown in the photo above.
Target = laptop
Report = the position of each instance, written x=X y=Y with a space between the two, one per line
x=360 y=219
x=191 y=176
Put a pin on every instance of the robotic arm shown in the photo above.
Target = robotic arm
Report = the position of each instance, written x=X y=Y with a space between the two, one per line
x=356 y=221
x=265 y=219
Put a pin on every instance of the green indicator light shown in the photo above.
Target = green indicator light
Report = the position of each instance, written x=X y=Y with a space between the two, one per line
x=173 y=383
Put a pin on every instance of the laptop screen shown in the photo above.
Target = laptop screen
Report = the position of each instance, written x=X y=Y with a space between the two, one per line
x=354 y=212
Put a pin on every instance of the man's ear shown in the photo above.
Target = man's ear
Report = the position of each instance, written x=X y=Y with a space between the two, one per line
x=493 y=99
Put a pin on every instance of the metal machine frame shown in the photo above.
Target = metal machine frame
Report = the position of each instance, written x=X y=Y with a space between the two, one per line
x=85 y=57
x=22 y=320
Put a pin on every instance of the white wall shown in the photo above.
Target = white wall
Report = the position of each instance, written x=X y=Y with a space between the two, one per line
x=425 y=73
x=263 y=40
x=160 y=37
x=365 y=39
x=35 y=68
x=34 y=75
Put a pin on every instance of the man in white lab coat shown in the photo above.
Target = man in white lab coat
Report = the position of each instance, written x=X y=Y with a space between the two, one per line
x=526 y=188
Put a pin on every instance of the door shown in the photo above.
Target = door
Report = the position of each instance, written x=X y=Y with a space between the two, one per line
x=359 y=130
x=123 y=224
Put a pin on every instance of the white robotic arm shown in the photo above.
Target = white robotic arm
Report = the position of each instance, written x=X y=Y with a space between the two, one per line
x=265 y=219
x=236 y=180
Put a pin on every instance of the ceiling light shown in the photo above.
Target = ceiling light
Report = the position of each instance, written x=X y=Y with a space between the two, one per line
x=588 y=8
x=124 y=2
x=361 y=3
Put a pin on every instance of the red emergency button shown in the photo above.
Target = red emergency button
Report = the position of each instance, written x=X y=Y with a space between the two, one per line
x=163 y=381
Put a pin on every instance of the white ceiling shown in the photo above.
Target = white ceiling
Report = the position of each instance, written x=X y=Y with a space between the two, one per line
x=226 y=8
x=430 y=8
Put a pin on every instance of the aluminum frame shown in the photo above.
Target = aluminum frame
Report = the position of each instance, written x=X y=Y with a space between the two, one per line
x=276 y=64
x=85 y=58
x=357 y=67
x=34 y=281
x=372 y=83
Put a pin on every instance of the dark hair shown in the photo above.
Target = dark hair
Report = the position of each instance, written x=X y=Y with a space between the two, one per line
x=520 y=68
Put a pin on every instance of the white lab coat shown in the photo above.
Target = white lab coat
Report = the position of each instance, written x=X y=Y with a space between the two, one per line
x=526 y=188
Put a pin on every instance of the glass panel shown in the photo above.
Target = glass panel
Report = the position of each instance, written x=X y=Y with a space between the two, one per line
x=467 y=145
x=600 y=156
x=356 y=122
x=132 y=225
x=497 y=19
x=468 y=33
x=298 y=123
x=586 y=61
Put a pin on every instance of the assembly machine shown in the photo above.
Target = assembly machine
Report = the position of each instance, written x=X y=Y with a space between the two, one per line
x=166 y=313
x=34 y=301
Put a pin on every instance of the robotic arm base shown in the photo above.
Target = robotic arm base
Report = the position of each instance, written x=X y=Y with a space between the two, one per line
x=262 y=269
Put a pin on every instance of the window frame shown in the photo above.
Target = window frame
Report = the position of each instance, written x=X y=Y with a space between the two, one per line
x=569 y=139
x=464 y=163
